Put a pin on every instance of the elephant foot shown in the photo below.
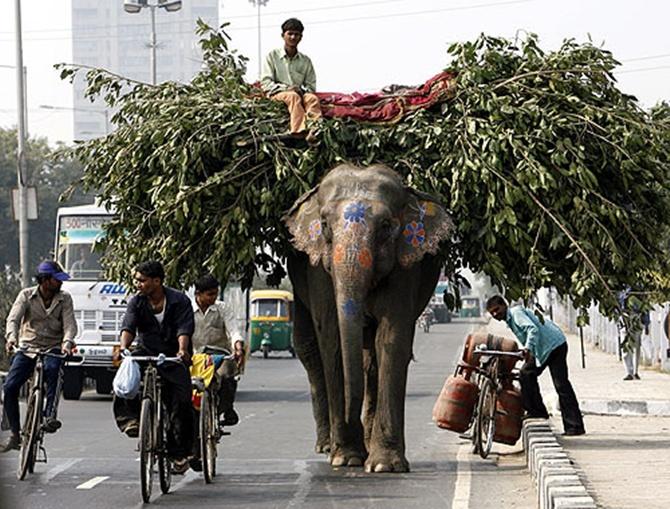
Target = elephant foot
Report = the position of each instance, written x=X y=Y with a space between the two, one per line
x=386 y=461
x=322 y=446
x=347 y=458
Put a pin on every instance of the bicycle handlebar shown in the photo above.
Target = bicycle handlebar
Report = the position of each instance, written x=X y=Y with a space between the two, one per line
x=481 y=349
x=70 y=358
x=158 y=359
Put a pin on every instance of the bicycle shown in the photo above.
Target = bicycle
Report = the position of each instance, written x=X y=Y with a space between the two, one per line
x=153 y=430
x=32 y=433
x=208 y=426
x=491 y=381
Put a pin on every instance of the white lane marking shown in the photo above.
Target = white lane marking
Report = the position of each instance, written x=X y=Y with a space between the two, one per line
x=92 y=483
x=303 y=483
x=461 y=498
x=59 y=469
x=189 y=476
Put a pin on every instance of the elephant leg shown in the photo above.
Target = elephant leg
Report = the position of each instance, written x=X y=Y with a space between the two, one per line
x=387 y=441
x=371 y=383
x=307 y=349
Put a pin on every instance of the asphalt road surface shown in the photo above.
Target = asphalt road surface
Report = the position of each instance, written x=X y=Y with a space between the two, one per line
x=268 y=461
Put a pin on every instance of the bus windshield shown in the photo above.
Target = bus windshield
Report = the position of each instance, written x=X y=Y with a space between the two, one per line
x=76 y=238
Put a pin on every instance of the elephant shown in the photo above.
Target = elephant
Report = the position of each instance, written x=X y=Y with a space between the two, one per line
x=365 y=263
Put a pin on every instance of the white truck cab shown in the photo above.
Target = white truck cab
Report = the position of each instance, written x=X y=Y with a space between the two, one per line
x=99 y=305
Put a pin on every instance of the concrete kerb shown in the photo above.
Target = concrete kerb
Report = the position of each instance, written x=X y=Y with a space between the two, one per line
x=557 y=481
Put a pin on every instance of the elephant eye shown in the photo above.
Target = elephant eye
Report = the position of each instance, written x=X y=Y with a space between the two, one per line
x=385 y=229
x=326 y=231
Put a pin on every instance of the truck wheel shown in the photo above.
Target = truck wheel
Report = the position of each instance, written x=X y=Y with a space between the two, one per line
x=73 y=383
x=103 y=384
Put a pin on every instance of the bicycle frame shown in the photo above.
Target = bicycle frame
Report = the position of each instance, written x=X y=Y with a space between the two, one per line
x=32 y=433
x=153 y=437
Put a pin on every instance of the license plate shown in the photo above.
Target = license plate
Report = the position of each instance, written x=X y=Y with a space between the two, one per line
x=98 y=351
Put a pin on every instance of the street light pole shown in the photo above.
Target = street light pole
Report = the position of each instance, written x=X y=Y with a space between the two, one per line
x=21 y=155
x=259 y=3
x=135 y=6
x=152 y=44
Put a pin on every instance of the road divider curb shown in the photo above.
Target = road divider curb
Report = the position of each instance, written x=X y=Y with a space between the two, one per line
x=558 y=483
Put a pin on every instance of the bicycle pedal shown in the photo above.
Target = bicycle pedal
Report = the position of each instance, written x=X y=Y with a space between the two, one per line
x=225 y=433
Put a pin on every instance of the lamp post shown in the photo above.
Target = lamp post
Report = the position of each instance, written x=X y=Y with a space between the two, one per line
x=21 y=155
x=104 y=112
x=135 y=6
x=259 y=3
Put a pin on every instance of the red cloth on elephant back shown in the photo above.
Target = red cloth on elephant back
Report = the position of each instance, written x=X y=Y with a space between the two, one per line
x=388 y=107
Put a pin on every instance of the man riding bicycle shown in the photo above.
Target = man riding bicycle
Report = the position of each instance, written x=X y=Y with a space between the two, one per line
x=162 y=320
x=218 y=331
x=42 y=317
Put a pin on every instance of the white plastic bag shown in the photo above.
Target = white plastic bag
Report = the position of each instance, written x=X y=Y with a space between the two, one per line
x=127 y=380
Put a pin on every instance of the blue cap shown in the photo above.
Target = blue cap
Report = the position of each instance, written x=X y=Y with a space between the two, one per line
x=51 y=268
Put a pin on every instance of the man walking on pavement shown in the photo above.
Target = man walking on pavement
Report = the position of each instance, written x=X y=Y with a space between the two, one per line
x=545 y=346
x=288 y=76
x=42 y=317
x=639 y=321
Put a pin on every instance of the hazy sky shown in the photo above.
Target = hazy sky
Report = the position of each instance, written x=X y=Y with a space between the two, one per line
x=359 y=45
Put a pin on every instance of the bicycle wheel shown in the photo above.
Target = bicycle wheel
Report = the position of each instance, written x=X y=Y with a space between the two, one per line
x=486 y=418
x=31 y=429
x=214 y=434
x=164 y=466
x=146 y=448
x=204 y=431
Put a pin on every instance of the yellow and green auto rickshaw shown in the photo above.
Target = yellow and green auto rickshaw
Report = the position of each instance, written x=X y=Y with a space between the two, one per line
x=271 y=321
x=470 y=307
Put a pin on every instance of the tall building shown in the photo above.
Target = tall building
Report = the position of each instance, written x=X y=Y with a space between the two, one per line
x=104 y=35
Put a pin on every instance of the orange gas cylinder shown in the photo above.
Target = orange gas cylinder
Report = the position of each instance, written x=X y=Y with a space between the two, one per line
x=455 y=404
x=508 y=417
x=492 y=343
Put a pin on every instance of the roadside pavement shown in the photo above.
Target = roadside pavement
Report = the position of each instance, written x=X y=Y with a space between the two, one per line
x=624 y=458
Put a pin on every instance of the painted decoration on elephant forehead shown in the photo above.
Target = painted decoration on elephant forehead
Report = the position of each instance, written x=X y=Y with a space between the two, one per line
x=354 y=213
x=314 y=229
x=414 y=233
x=427 y=208
x=350 y=307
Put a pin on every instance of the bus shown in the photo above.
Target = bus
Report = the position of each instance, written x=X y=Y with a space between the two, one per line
x=99 y=305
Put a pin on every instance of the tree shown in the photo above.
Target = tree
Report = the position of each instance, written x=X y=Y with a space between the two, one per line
x=553 y=175
x=51 y=171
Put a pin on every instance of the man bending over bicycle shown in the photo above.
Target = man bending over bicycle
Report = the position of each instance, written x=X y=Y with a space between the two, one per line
x=162 y=320
x=42 y=317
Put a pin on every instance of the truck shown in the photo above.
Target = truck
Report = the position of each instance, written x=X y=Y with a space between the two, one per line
x=99 y=305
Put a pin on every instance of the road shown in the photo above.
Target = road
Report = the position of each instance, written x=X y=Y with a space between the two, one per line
x=268 y=461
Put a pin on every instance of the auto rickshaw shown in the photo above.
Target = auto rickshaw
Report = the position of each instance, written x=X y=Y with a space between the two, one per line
x=470 y=307
x=271 y=321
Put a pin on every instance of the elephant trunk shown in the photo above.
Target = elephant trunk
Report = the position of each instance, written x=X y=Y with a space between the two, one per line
x=352 y=274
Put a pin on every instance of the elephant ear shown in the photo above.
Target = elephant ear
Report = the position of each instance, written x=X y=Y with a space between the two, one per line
x=304 y=224
x=424 y=225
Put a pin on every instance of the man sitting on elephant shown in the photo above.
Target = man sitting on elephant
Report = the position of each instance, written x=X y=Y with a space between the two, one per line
x=289 y=77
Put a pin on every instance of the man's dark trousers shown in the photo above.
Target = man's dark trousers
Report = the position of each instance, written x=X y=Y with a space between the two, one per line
x=20 y=371
x=177 y=396
x=530 y=389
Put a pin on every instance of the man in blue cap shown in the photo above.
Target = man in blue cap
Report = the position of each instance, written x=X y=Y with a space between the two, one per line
x=42 y=318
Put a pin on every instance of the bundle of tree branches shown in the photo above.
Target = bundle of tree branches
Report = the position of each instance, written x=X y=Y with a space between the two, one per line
x=553 y=175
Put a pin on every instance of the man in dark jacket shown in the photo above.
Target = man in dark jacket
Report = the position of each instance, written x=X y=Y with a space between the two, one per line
x=161 y=318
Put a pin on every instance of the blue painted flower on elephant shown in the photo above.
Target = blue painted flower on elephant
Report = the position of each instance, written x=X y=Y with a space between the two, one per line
x=354 y=213
x=350 y=307
x=314 y=229
x=414 y=233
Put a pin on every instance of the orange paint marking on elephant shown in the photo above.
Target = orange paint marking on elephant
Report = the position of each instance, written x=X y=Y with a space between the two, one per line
x=365 y=258
x=338 y=254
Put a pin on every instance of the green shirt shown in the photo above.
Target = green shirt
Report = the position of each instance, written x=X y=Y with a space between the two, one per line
x=281 y=72
x=540 y=338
